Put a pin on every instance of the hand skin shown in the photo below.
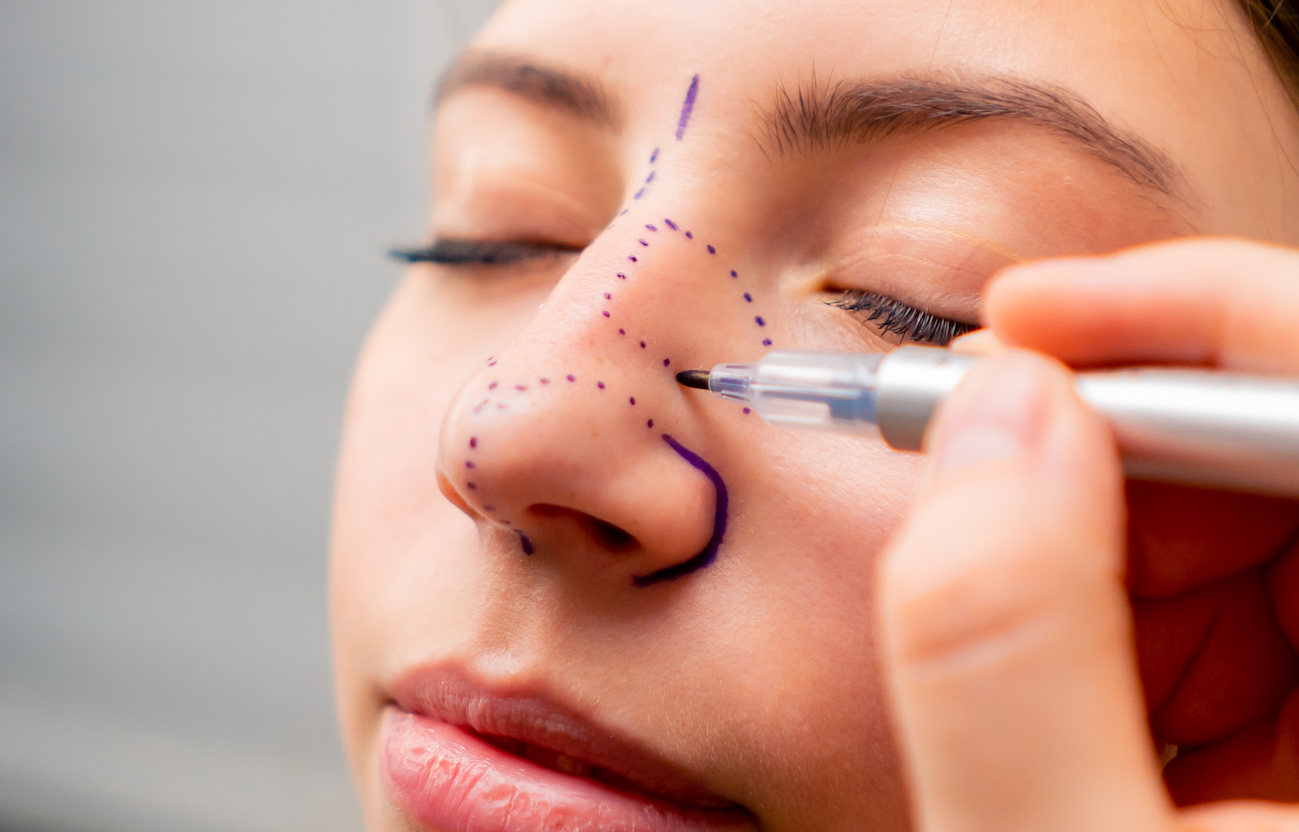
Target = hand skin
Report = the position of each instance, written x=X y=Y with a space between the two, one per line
x=1022 y=631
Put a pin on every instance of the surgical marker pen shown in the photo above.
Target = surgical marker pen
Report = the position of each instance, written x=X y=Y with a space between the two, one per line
x=1189 y=426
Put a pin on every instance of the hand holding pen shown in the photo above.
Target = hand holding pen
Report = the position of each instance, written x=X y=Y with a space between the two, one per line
x=1032 y=645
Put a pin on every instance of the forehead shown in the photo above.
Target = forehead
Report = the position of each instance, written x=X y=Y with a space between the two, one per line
x=745 y=46
x=1150 y=68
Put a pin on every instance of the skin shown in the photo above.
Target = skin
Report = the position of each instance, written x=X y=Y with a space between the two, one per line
x=761 y=675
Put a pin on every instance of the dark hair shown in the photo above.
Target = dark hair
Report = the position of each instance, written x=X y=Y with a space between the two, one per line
x=1276 y=24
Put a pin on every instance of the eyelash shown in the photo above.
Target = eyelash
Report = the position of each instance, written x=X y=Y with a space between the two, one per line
x=892 y=316
x=453 y=252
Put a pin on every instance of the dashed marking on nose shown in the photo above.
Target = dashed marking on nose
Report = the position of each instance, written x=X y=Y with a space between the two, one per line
x=747 y=411
x=748 y=297
x=544 y=380
x=642 y=345
x=632 y=257
x=650 y=423
x=478 y=407
x=766 y=342
x=521 y=387
x=600 y=384
x=651 y=227
x=689 y=236
x=469 y=463
x=712 y=250
x=572 y=377
x=472 y=486
x=605 y=313
x=654 y=156
x=669 y=223
x=667 y=361
x=608 y=296
x=622 y=332
x=758 y=319
x=473 y=441
x=492 y=386
x=639 y=194
x=622 y=276
x=633 y=401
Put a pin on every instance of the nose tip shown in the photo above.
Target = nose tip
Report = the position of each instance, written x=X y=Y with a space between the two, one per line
x=581 y=475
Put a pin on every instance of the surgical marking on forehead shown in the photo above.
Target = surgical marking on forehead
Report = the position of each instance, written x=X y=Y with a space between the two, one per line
x=687 y=107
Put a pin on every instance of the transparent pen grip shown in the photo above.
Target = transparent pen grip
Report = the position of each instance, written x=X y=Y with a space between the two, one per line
x=818 y=391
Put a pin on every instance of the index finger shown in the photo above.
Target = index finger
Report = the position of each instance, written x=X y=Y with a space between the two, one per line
x=1215 y=301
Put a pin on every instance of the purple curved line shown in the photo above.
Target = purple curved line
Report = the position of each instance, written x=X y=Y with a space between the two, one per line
x=709 y=553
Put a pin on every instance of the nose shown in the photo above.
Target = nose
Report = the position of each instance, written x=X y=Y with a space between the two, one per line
x=577 y=441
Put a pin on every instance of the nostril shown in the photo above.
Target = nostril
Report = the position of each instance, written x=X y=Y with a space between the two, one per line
x=608 y=535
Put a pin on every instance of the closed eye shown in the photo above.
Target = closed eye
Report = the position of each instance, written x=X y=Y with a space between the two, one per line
x=893 y=317
x=461 y=252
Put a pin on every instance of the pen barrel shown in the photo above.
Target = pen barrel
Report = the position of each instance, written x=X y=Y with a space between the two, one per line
x=912 y=382
x=1177 y=425
x=1201 y=428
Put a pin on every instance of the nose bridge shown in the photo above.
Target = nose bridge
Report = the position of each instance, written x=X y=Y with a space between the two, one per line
x=564 y=429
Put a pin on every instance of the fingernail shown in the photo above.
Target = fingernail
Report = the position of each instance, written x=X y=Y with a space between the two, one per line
x=995 y=414
x=979 y=342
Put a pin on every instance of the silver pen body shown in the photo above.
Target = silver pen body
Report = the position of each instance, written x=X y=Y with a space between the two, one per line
x=1195 y=427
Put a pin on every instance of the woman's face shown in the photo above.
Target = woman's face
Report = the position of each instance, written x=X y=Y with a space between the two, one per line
x=569 y=593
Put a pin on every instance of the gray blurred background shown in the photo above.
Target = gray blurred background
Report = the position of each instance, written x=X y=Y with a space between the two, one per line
x=194 y=202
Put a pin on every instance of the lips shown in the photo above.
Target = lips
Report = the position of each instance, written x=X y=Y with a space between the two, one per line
x=461 y=757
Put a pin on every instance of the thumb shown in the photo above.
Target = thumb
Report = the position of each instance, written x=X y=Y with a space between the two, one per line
x=1006 y=626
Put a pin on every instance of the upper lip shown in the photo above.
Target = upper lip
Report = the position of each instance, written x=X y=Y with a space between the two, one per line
x=527 y=716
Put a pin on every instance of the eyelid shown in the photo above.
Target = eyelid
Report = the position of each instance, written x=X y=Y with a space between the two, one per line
x=456 y=251
x=892 y=316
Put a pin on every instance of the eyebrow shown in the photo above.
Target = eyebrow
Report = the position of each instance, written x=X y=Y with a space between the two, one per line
x=551 y=87
x=821 y=117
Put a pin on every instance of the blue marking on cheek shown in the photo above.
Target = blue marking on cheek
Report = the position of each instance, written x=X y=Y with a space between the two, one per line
x=709 y=553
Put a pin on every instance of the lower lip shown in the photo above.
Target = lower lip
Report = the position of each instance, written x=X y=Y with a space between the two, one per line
x=447 y=779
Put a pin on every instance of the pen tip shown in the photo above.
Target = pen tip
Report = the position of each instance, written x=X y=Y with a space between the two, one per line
x=694 y=378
